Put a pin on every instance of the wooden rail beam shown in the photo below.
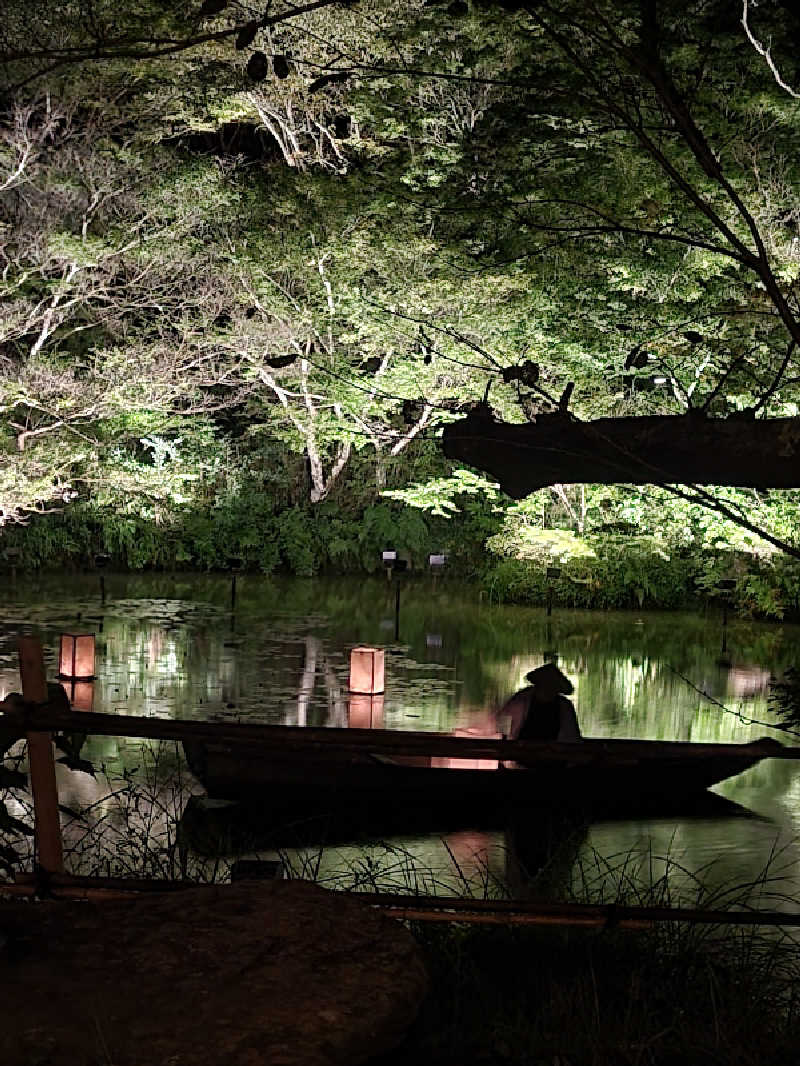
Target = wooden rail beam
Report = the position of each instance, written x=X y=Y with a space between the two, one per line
x=307 y=741
x=523 y=912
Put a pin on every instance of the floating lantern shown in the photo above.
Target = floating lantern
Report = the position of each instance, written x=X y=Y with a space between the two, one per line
x=76 y=656
x=365 y=712
x=367 y=670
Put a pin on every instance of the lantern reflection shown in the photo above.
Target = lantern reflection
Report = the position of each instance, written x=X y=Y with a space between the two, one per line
x=448 y=763
x=80 y=694
x=365 y=712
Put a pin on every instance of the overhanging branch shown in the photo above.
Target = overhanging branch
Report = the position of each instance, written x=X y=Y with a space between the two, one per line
x=760 y=453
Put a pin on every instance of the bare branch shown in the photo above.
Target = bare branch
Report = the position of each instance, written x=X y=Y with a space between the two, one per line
x=766 y=53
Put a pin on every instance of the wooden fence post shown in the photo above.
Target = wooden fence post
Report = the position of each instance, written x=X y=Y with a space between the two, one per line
x=41 y=762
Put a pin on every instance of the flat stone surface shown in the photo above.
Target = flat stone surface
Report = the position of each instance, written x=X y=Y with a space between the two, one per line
x=254 y=973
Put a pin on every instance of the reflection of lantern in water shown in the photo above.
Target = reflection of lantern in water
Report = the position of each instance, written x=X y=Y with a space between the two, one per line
x=447 y=762
x=80 y=694
x=365 y=712
x=367 y=670
x=76 y=656
x=747 y=682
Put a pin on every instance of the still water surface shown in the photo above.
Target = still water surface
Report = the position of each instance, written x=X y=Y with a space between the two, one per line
x=173 y=647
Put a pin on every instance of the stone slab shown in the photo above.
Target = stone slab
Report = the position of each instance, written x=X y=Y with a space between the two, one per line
x=283 y=973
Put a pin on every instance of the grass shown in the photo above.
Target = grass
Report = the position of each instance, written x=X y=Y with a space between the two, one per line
x=603 y=999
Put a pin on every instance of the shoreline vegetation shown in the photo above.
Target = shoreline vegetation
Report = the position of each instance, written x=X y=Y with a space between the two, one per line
x=658 y=560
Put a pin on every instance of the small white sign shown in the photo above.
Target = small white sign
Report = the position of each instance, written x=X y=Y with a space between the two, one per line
x=437 y=560
x=389 y=557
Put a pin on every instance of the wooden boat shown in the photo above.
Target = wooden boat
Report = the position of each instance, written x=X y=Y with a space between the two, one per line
x=347 y=768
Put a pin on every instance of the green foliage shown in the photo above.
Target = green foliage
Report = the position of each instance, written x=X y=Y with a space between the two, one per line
x=236 y=316
x=296 y=542
x=437 y=496
x=595 y=572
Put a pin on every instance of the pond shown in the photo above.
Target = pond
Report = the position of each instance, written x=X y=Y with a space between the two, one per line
x=172 y=646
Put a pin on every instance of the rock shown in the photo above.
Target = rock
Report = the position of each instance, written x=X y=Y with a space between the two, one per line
x=283 y=973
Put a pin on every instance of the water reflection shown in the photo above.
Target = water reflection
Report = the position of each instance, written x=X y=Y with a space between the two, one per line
x=166 y=646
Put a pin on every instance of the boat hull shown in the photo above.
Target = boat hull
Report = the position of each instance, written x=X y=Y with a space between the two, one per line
x=597 y=775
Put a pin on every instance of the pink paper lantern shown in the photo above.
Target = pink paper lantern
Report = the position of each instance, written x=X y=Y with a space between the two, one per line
x=367 y=670
x=76 y=656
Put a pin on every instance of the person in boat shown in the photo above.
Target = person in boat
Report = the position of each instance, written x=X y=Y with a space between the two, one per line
x=541 y=711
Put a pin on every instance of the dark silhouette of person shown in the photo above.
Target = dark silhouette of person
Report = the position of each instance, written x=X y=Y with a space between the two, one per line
x=541 y=711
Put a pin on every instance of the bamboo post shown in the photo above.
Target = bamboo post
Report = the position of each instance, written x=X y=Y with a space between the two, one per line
x=41 y=763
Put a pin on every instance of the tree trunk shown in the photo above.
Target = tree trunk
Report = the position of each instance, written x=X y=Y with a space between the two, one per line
x=661 y=449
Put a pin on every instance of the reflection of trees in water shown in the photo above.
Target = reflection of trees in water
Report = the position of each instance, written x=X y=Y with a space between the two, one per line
x=748 y=681
x=317 y=667
x=175 y=655
x=696 y=859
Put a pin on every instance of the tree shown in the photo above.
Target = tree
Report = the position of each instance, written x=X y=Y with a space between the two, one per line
x=563 y=212
x=37 y=42
x=664 y=161
x=108 y=332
